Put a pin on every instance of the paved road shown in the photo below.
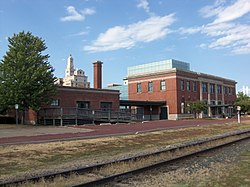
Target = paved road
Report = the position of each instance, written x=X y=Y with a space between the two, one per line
x=48 y=134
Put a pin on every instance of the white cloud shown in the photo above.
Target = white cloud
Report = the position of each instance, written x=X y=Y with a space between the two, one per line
x=212 y=10
x=88 y=11
x=203 y=46
x=190 y=30
x=126 y=37
x=236 y=10
x=145 y=6
x=233 y=36
x=225 y=14
x=225 y=33
x=83 y=33
x=74 y=15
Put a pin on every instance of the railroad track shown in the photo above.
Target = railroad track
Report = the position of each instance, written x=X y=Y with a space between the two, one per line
x=121 y=169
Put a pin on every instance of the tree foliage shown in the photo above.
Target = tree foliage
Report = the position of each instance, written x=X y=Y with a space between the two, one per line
x=197 y=107
x=243 y=101
x=26 y=76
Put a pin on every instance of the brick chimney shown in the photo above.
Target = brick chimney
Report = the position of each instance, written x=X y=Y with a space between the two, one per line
x=98 y=74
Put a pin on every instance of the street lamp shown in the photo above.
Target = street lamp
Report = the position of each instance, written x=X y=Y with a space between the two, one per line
x=16 y=107
x=238 y=112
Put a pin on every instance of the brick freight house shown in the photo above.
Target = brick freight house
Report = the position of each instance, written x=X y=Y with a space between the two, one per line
x=173 y=83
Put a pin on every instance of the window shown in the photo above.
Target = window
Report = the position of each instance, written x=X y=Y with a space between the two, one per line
x=138 y=87
x=219 y=89
x=83 y=104
x=188 y=85
x=204 y=87
x=233 y=91
x=225 y=90
x=163 y=85
x=106 y=105
x=55 y=102
x=211 y=88
x=182 y=85
x=194 y=86
x=150 y=86
x=229 y=91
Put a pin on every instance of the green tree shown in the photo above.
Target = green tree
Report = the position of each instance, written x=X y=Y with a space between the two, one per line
x=243 y=101
x=197 y=107
x=26 y=76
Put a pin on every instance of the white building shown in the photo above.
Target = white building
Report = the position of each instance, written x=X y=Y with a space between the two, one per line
x=246 y=90
x=74 y=77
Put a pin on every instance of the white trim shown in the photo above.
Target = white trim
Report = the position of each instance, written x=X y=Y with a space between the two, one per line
x=148 y=80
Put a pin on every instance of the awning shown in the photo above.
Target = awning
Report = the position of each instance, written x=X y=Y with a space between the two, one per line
x=141 y=103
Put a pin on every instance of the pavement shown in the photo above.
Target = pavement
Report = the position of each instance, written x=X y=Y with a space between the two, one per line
x=40 y=134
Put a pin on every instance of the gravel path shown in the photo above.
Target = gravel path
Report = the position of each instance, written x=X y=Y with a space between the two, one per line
x=213 y=164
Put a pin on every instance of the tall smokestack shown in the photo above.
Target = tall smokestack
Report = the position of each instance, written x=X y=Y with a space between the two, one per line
x=98 y=74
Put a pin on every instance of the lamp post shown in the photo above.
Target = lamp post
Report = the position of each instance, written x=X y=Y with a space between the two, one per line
x=16 y=107
x=238 y=112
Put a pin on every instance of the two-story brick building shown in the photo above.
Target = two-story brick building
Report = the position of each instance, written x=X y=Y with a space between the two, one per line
x=173 y=82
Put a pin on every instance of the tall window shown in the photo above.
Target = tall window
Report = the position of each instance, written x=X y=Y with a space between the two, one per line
x=188 y=85
x=229 y=91
x=219 y=89
x=182 y=85
x=211 y=88
x=163 y=85
x=225 y=90
x=194 y=86
x=138 y=87
x=150 y=86
x=204 y=87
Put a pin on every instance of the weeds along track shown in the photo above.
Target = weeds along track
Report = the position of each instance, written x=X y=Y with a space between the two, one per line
x=125 y=168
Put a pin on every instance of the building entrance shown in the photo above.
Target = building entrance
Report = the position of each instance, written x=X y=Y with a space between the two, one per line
x=164 y=113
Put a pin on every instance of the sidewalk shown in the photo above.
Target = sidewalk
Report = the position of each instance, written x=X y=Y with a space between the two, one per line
x=48 y=134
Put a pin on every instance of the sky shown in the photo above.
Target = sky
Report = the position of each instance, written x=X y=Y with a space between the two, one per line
x=212 y=35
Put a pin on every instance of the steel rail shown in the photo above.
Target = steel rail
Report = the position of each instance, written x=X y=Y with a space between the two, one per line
x=98 y=166
x=128 y=174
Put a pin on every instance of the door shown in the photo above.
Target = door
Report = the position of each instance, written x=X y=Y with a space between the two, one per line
x=164 y=113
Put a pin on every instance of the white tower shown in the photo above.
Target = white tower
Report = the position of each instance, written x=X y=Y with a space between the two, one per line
x=74 y=77
x=70 y=67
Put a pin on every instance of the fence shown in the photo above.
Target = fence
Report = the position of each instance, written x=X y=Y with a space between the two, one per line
x=66 y=116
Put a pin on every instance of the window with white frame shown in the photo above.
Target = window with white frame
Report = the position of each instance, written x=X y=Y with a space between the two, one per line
x=162 y=85
x=182 y=85
x=188 y=85
x=138 y=87
x=204 y=87
x=229 y=91
x=212 y=88
x=150 y=86
x=194 y=86
x=219 y=89
x=55 y=102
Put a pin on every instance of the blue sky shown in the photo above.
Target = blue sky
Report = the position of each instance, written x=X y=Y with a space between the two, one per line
x=212 y=35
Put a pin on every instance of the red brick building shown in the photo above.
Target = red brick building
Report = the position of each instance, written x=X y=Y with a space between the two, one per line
x=172 y=82
x=88 y=98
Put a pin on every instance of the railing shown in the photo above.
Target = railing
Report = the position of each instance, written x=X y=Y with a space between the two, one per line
x=80 y=115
